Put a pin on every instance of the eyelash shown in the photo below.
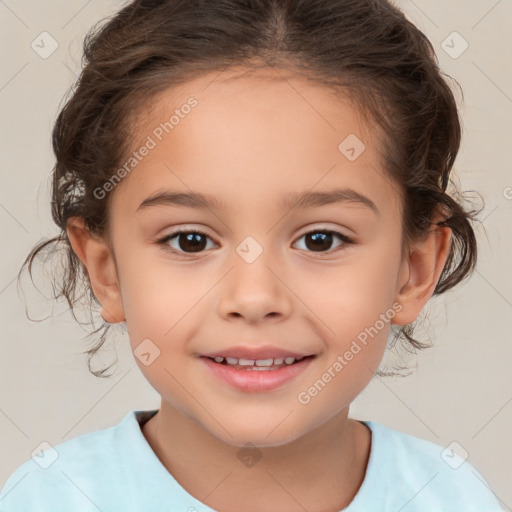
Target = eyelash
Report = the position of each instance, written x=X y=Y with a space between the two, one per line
x=164 y=241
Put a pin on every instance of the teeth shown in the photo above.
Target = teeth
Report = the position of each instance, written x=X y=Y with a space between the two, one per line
x=264 y=362
x=257 y=362
x=246 y=362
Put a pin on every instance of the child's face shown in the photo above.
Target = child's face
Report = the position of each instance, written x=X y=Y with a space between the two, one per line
x=250 y=143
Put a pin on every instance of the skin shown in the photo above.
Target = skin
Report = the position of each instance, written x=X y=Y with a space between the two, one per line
x=252 y=139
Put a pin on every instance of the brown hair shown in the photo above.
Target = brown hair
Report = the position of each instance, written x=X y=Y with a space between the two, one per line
x=366 y=48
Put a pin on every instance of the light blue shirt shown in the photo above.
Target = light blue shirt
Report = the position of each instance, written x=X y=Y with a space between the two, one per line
x=115 y=470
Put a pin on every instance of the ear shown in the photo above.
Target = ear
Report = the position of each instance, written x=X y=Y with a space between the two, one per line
x=420 y=272
x=97 y=257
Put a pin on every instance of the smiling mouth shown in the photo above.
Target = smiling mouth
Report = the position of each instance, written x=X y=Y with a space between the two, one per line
x=258 y=364
x=257 y=376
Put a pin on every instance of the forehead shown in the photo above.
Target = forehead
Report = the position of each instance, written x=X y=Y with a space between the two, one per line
x=251 y=96
x=261 y=130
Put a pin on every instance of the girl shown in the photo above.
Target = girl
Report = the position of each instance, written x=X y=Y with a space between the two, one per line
x=257 y=190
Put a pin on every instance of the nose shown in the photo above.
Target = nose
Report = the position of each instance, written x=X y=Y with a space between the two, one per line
x=255 y=291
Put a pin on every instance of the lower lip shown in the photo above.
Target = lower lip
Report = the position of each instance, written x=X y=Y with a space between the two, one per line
x=257 y=380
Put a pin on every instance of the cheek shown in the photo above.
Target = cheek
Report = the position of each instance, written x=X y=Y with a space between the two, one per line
x=354 y=308
x=352 y=296
x=157 y=296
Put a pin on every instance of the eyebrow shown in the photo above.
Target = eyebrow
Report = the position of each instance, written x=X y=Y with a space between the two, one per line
x=307 y=199
x=340 y=195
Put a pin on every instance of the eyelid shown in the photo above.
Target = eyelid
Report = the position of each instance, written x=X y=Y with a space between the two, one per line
x=324 y=227
x=186 y=228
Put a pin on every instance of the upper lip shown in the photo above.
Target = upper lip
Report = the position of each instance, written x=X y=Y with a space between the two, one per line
x=265 y=352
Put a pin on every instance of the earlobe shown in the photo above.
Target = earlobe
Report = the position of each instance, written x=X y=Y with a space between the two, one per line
x=420 y=274
x=96 y=256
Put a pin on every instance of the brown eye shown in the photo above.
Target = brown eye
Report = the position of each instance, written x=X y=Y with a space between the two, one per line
x=191 y=242
x=187 y=242
x=322 y=240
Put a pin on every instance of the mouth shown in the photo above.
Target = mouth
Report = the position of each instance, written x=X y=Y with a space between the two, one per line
x=268 y=364
x=256 y=376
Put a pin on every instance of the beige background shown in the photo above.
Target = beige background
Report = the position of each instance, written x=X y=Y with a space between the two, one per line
x=461 y=389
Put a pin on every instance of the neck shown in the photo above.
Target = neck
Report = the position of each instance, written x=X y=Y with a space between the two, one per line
x=321 y=471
